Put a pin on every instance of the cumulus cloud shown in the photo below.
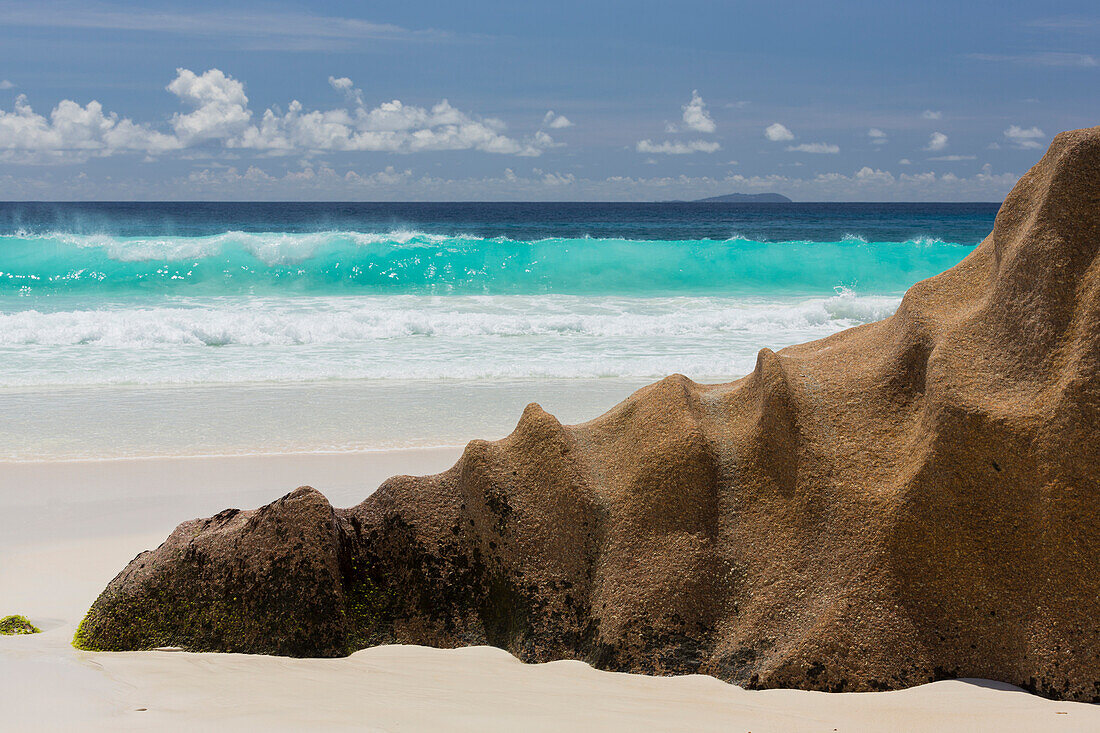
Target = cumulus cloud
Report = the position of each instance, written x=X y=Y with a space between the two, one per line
x=878 y=137
x=220 y=115
x=866 y=174
x=556 y=121
x=905 y=161
x=678 y=148
x=929 y=114
x=221 y=107
x=821 y=148
x=5 y=84
x=392 y=127
x=346 y=86
x=73 y=132
x=936 y=141
x=954 y=157
x=696 y=117
x=778 y=133
x=341 y=84
x=1026 y=138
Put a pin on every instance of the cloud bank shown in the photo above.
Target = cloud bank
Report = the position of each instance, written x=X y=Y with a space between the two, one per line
x=321 y=181
x=219 y=115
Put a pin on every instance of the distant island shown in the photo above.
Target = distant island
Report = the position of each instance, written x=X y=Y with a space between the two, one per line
x=746 y=198
x=737 y=198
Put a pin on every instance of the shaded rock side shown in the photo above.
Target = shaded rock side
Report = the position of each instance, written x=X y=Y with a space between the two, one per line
x=908 y=500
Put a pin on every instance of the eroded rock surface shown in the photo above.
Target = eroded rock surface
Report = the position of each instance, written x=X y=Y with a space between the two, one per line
x=912 y=499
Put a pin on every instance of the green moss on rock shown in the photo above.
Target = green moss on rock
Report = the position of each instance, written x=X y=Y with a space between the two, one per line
x=17 y=625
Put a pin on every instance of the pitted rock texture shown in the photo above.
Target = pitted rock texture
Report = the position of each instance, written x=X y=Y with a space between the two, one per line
x=908 y=500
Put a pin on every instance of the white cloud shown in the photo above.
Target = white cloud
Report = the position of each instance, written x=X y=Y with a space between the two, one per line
x=778 y=133
x=821 y=148
x=677 y=148
x=929 y=114
x=905 y=161
x=866 y=174
x=558 y=179
x=936 y=141
x=73 y=132
x=556 y=121
x=221 y=107
x=878 y=137
x=1050 y=58
x=392 y=127
x=5 y=84
x=389 y=176
x=220 y=116
x=346 y=87
x=342 y=84
x=696 y=117
x=1026 y=138
x=954 y=157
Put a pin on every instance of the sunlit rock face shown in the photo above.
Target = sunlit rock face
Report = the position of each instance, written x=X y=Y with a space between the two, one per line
x=913 y=499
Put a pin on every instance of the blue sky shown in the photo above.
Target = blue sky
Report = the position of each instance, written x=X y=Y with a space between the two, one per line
x=550 y=101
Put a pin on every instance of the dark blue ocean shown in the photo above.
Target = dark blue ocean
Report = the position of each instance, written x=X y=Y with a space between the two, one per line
x=824 y=222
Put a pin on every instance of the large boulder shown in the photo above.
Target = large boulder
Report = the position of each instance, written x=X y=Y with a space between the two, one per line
x=268 y=581
x=904 y=501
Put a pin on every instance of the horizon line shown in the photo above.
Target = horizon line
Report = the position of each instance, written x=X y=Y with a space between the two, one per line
x=463 y=201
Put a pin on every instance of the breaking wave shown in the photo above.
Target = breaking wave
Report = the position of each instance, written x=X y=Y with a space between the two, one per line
x=396 y=262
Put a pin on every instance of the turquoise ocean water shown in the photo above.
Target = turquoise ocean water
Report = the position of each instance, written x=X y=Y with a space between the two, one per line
x=252 y=317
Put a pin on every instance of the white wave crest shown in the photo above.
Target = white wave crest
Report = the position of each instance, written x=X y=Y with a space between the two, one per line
x=272 y=248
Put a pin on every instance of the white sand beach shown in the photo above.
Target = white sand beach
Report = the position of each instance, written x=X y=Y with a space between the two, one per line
x=67 y=527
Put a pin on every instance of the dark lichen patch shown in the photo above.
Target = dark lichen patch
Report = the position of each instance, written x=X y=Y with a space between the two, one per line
x=368 y=608
x=16 y=625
